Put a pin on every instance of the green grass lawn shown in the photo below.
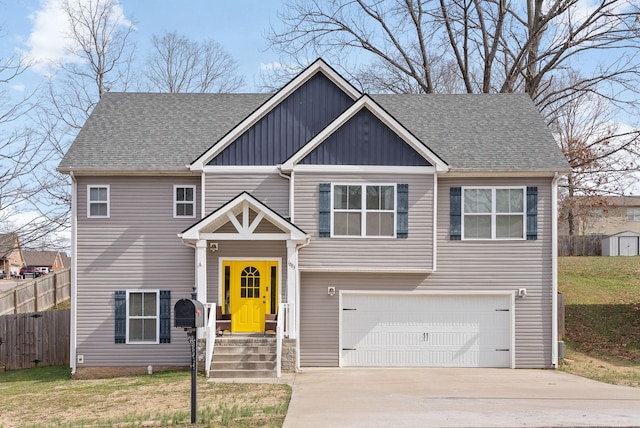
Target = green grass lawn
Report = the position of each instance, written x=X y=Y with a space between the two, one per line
x=602 y=317
x=46 y=397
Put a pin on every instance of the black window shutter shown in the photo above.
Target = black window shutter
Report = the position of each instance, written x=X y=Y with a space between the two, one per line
x=532 y=213
x=121 y=317
x=165 y=316
x=402 y=221
x=325 y=210
x=455 y=214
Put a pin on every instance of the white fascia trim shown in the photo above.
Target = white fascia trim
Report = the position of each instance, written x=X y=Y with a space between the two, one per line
x=345 y=169
x=129 y=173
x=241 y=169
x=366 y=102
x=476 y=173
x=434 y=236
x=277 y=98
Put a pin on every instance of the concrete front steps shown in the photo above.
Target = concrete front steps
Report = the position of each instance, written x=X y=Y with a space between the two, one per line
x=246 y=356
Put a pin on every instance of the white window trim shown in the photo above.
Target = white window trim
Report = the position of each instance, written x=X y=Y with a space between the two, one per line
x=89 y=201
x=635 y=214
x=363 y=211
x=176 y=202
x=157 y=317
x=493 y=213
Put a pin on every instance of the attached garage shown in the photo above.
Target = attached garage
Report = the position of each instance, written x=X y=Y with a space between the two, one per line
x=412 y=329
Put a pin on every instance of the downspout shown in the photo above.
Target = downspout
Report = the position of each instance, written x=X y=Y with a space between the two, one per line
x=554 y=270
x=291 y=192
x=74 y=270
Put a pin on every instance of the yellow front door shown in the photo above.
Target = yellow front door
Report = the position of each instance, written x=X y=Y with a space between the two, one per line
x=251 y=292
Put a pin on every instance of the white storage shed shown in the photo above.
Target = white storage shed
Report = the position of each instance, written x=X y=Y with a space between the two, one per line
x=621 y=244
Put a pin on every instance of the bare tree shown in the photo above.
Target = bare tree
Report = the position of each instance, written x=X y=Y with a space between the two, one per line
x=601 y=152
x=470 y=45
x=177 y=64
x=102 y=49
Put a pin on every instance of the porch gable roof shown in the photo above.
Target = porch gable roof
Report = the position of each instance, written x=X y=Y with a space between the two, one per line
x=245 y=226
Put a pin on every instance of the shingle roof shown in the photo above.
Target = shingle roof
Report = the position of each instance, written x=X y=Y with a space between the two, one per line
x=39 y=258
x=151 y=131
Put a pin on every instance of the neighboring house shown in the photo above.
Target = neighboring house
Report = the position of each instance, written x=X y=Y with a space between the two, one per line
x=391 y=230
x=11 y=257
x=51 y=260
x=604 y=215
x=66 y=260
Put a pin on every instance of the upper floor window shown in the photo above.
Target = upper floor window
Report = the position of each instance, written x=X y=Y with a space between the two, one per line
x=184 y=201
x=633 y=214
x=493 y=213
x=98 y=201
x=142 y=317
x=364 y=210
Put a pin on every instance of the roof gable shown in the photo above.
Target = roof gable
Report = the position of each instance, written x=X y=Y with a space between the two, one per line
x=346 y=137
x=244 y=218
x=319 y=66
x=288 y=126
x=364 y=140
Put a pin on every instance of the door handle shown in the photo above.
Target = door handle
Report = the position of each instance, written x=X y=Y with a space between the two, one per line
x=425 y=337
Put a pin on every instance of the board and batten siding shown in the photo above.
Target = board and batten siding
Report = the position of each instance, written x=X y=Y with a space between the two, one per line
x=270 y=189
x=461 y=266
x=245 y=250
x=362 y=253
x=137 y=248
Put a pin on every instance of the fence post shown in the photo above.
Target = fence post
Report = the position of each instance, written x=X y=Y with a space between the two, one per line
x=15 y=302
x=35 y=294
x=55 y=288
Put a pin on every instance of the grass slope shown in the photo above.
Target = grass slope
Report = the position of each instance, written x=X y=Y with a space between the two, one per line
x=602 y=317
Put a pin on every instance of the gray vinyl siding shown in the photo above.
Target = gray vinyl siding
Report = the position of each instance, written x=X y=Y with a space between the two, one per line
x=245 y=250
x=504 y=265
x=461 y=266
x=270 y=189
x=137 y=248
x=414 y=252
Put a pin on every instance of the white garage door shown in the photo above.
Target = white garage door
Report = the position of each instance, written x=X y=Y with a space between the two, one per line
x=425 y=330
x=628 y=245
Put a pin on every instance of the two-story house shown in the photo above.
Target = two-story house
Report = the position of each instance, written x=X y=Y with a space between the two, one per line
x=384 y=230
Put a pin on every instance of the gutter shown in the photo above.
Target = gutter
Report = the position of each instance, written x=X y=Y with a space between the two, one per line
x=74 y=270
x=554 y=271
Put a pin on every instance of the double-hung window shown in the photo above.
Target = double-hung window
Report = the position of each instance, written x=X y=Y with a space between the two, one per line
x=493 y=213
x=184 y=201
x=98 y=201
x=364 y=210
x=633 y=214
x=143 y=308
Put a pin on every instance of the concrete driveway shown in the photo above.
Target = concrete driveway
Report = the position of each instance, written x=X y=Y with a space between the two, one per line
x=457 y=398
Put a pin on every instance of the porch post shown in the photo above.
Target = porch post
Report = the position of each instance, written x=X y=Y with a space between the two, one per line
x=201 y=270
x=201 y=277
x=292 y=298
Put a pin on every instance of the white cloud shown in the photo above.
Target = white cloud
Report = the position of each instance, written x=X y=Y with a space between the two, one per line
x=49 y=42
x=20 y=87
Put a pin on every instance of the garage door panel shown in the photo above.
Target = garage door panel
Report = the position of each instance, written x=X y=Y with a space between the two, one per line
x=426 y=330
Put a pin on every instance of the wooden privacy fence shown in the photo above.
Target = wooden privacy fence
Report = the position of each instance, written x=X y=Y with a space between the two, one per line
x=36 y=339
x=37 y=295
x=589 y=245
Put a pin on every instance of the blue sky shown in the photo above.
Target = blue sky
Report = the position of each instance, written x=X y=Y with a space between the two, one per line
x=34 y=27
